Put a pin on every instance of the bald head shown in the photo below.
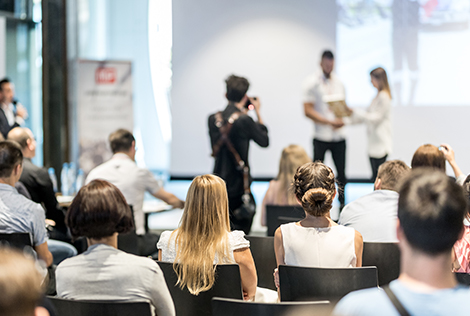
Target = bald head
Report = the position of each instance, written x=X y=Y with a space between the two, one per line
x=25 y=138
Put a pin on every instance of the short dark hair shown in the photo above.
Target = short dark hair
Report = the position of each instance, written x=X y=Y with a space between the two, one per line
x=328 y=54
x=236 y=88
x=19 y=135
x=4 y=80
x=121 y=140
x=431 y=210
x=390 y=172
x=428 y=156
x=99 y=210
x=10 y=157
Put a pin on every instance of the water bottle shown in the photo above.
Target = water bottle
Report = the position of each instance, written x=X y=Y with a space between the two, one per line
x=71 y=177
x=64 y=181
x=80 y=180
x=53 y=177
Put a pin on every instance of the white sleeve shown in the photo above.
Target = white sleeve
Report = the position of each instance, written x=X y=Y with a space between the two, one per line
x=238 y=240
x=379 y=112
x=151 y=184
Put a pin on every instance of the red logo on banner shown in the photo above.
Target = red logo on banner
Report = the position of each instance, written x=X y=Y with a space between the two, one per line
x=105 y=75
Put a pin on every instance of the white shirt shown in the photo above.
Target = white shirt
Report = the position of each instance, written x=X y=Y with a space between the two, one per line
x=133 y=181
x=379 y=124
x=314 y=89
x=326 y=247
x=373 y=215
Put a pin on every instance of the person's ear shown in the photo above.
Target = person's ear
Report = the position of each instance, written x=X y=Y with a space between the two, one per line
x=377 y=184
x=29 y=143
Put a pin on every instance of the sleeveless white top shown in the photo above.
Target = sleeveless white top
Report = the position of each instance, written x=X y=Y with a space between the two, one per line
x=328 y=247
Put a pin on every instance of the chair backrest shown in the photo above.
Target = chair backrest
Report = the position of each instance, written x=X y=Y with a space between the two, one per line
x=307 y=284
x=20 y=241
x=463 y=278
x=227 y=284
x=262 y=249
x=231 y=307
x=384 y=256
x=101 y=308
x=273 y=212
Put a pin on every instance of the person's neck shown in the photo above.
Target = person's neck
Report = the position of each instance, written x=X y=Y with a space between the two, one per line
x=128 y=154
x=327 y=76
x=317 y=221
x=110 y=241
x=425 y=273
x=10 y=181
x=238 y=105
x=28 y=155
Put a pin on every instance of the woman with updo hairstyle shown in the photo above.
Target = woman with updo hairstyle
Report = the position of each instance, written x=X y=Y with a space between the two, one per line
x=317 y=241
x=100 y=212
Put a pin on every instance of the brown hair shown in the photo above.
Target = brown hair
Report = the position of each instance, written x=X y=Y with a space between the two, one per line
x=121 y=140
x=236 y=88
x=429 y=156
x=390 y=172
x=10 y=157
x=381 y=76
x=20 y=284
x=99 y=210
x=314 y=186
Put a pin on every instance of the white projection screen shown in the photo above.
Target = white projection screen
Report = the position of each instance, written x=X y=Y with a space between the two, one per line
x=423 y=45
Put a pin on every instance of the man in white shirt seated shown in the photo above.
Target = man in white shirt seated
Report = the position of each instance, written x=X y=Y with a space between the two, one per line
x=431 y=209
x=122 y=171
x=375 y=214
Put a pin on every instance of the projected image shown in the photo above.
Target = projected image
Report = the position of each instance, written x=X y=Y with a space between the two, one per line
x=424 y=46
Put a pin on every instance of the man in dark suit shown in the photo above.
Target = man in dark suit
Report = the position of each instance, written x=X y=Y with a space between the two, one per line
x=12 y=113
x=37 y=181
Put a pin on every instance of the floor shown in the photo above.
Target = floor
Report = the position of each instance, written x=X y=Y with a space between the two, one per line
x=169 y=220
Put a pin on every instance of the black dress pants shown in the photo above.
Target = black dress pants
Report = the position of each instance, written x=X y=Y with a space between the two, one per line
x=375 y=164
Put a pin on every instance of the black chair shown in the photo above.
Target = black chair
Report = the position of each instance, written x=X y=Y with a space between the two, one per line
x=231 y=307
x=101 y=308
x=289 y=212
x=20 y=241
x=307 y=284
x=262 y=249
x=384 y=256
x=227 y=285
x=463 y=278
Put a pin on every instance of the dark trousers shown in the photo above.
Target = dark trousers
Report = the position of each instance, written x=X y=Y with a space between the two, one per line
x=375 y=164
x=338 y=152
x=235 y=202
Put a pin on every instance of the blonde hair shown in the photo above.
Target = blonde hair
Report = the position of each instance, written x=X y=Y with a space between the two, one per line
x=203 y=234
x=381 y=76
x=20 y=284
x=292 y=157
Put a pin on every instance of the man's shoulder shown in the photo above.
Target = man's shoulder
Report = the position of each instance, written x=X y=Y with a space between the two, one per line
x=364 y=302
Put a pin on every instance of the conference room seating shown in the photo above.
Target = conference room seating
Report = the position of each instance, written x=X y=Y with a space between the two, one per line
x=262 y=249
x=231 y=307
x=463 y=278
x=227 y=285
x=21 y=241
x=384 y=256
x=276 y=215
x=100 y=307
x=307 y=284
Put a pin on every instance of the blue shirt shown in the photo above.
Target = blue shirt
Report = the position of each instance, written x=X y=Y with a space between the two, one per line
x=376 y=302
x=20 y=215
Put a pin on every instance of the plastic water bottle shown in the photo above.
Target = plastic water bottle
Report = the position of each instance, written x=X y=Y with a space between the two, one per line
x=80 y=180
x=72 y=176
x=53 y=177
x=64 y=181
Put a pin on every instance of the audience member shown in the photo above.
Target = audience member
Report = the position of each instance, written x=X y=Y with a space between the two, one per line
x=431 y=209
x=428 y=156
x=449 y=155
x=100 y=212
x=12 y=113
x=279 y=193
x=122 y=171
x=17 y=213
x=375 y=214
x=20 y=285
x=462 y=246
x=316 y=241
x=204 y=238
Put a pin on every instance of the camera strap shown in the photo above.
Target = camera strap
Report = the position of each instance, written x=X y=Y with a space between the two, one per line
x=224 y=129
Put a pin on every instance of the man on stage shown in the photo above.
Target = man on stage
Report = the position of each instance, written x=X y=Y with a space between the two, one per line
x=328 y=128
x=243 y=129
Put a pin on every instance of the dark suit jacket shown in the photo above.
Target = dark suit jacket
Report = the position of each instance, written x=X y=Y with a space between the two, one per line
x=39 y=185
x=4 y=126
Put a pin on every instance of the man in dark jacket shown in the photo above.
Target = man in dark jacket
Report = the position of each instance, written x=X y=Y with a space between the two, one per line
x=243 y=129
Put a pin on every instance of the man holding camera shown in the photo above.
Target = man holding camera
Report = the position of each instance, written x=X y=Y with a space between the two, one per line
x=230 y=132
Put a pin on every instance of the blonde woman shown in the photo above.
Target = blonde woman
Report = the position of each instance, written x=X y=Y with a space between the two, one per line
x=316 y=241
x=204 y=239
x=292 y=157
x=377 y=117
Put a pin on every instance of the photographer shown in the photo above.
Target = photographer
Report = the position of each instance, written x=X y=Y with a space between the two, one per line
x=239 y=128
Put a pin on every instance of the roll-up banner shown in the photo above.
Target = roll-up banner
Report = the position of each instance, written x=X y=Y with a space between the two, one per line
x=104 y=105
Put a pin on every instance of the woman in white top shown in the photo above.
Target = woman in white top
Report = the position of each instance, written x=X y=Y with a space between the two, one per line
x=316 y=241
x=378 y=119
x=204 y=239
x=278 y=193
